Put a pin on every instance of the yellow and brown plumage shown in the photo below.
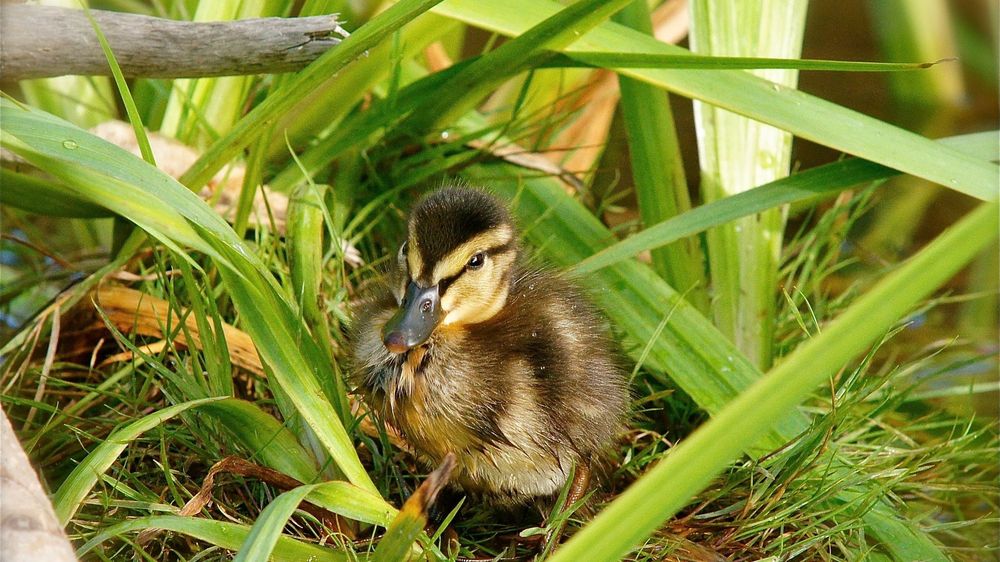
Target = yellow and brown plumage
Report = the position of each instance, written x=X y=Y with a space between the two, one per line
x=471 y=351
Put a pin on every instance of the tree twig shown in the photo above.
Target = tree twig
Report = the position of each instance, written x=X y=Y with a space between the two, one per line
x=44 y=41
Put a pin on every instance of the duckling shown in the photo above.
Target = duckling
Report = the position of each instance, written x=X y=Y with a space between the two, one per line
x=471 y=350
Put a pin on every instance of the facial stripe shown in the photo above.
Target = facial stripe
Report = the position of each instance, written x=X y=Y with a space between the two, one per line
x=454 y=262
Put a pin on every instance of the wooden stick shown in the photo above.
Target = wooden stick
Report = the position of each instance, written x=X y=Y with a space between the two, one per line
x=45 y=41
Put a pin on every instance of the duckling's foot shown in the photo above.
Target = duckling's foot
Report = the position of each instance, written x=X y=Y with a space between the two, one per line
x=579 y=487
x=577 y=490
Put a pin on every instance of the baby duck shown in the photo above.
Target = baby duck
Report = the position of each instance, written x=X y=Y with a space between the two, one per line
x=469 y=350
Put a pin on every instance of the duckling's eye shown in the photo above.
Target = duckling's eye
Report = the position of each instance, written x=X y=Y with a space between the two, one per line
x=477 y=260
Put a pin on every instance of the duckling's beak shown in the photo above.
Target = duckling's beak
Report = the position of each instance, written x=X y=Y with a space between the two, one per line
x=418 y=315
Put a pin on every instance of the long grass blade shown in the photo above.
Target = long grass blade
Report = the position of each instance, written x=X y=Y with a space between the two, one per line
x=614 y=60
x=658 y=170
x=264 y=534
x=472 y=83
x=812 y=183
x=264 y=436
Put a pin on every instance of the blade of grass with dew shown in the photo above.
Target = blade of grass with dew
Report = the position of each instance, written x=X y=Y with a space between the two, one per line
x=220 y=533
x=809 y=184
x=154 y=201
x=697 y=357
x=224 y=150
x=78 y=484
x=469 y=86
x=740 y=92
x=658 y=170
x=692 y=464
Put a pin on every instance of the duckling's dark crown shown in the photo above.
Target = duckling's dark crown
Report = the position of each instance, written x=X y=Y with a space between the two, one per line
x=444 y=219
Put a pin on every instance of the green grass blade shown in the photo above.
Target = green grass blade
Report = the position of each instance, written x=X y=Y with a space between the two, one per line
x=127 y=100
x=467 y=88
x=613 y=60
x=220 y=533
x=267 y=528
x=740 y=92
x=736 y=154
x=339 y=497
x=691 y=465
x=271 y=443
x=816 y=182
x=277 y=104
x=78 y=484
x=658 y=170
x=344 y=498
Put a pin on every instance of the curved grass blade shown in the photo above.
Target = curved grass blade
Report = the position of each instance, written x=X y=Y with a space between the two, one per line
x=815 y=182
x=791 y=110
x=220 y=533
x=78 y=484
x=344 y=498
x=339 y=497
x=691 y=465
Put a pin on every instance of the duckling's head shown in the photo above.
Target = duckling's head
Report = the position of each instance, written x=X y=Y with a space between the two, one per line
x=457 y=259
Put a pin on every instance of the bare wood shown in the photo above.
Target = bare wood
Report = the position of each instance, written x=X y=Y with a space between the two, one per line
x=45 y=41
x=28 y=526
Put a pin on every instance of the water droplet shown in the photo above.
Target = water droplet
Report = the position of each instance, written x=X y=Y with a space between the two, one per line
x=775 y=87
x=534 y=334
x=70 y=144
x=445 y=135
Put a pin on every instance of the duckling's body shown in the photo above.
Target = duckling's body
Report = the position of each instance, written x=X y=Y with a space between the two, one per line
x=508 y=367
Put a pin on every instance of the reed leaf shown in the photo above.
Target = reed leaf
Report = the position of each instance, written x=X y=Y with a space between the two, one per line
x=803 y=186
